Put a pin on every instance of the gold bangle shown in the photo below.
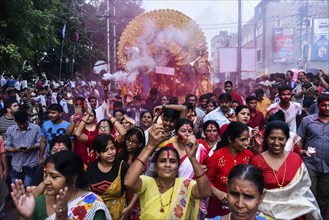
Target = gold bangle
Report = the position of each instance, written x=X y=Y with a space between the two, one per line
x=84 y=121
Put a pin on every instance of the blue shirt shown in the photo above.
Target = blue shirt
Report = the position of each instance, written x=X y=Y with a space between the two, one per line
x=315 y=133
x=51 y=130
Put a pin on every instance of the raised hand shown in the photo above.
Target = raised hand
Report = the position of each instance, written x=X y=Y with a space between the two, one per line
x=108 y=113
x=191 y=146
x=60 y=207
x=23 y=200
x=156 y=135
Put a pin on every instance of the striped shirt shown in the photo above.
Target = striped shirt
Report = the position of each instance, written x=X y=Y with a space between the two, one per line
x=4 y=124
x=17 y=138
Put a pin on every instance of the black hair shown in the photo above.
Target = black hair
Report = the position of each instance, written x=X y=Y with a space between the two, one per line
x=21 y=116
x=275 y=116
x=167 y=148
x=210 y=122
x=91 y=97
x=323 y=97
x=80 y=98
x=250 y=98
x=213 y=102
x=65 y=139
x=141 y=138
x=137 y=98
x=8 y=104
x=309 y=76
x=276 y=124
x=173 y=100
x=240 y=108
x=100 y=142
x=306 y=85
x=225 y=96
x=171 y=114
x=118 y=110
x=228 y=82
x=188 y=96
x=181 y=122
x=233 y=131
x=259 y=92
x=204 y=96
x=283 y=88
x=291 y=73
x=153 y=91
x=249 y=173
x=143 y=113
x=117 y=104
x=70 y=165
x=55 y=107
x=188 y=105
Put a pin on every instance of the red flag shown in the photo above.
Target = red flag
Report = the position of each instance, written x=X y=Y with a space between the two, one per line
x=76 y=36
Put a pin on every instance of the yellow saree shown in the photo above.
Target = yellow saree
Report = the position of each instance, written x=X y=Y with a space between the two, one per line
x=181 y=205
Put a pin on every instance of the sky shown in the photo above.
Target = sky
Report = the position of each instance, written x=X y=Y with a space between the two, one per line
x=212 y=16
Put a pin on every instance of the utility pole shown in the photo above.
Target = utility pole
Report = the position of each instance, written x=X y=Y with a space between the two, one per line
x=114 y=38
x=108 y=36
x=239 y=58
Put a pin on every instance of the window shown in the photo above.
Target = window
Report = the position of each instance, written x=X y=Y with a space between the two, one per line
x=259 y=55
x=259 y=30
x=278 y=22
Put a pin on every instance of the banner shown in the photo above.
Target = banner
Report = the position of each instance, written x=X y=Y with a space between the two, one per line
x=320 y=47
x=165 y=70
x=283 y=45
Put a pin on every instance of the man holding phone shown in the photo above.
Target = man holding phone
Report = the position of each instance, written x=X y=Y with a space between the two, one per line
x=23 y=140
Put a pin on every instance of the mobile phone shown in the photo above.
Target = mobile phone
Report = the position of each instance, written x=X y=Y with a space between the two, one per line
x=79 y=116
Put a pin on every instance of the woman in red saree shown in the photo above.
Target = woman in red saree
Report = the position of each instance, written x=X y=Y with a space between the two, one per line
x=287 y=182
x=235 y=141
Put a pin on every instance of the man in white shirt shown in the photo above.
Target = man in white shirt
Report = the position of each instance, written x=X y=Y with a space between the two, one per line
x=290 y=109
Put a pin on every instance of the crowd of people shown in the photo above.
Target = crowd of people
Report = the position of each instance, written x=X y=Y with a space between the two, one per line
x=257 y=150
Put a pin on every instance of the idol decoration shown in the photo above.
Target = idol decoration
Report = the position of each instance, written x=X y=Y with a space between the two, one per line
x=161 y=45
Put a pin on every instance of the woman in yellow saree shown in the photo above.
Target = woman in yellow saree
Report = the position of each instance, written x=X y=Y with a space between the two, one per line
x=167 y=196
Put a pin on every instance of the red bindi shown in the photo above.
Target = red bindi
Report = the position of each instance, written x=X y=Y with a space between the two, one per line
x=212 y=127
x=168 y=154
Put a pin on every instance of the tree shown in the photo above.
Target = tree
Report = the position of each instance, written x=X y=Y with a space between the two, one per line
x=31 y=34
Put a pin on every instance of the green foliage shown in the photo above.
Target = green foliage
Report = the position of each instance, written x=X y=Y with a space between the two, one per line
x=31 y=33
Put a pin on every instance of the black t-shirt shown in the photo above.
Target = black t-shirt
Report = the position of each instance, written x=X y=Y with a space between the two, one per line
x=99 y=181
x=38 y=176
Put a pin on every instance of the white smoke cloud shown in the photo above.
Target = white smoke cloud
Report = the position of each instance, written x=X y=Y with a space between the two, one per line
x=143 y=54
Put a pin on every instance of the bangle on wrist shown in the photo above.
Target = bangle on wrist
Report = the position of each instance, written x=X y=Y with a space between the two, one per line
x=142 y=162
x=204 y=173
x=114 y=121
x=84 y=121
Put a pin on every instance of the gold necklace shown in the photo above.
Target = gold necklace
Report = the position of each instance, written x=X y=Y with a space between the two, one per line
x=161 y=203
x=284 y=172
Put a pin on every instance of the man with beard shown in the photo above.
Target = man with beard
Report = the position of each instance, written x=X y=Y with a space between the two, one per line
x=223 y=113
x=51 y=128
x=290 y=109
x=314 y=130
